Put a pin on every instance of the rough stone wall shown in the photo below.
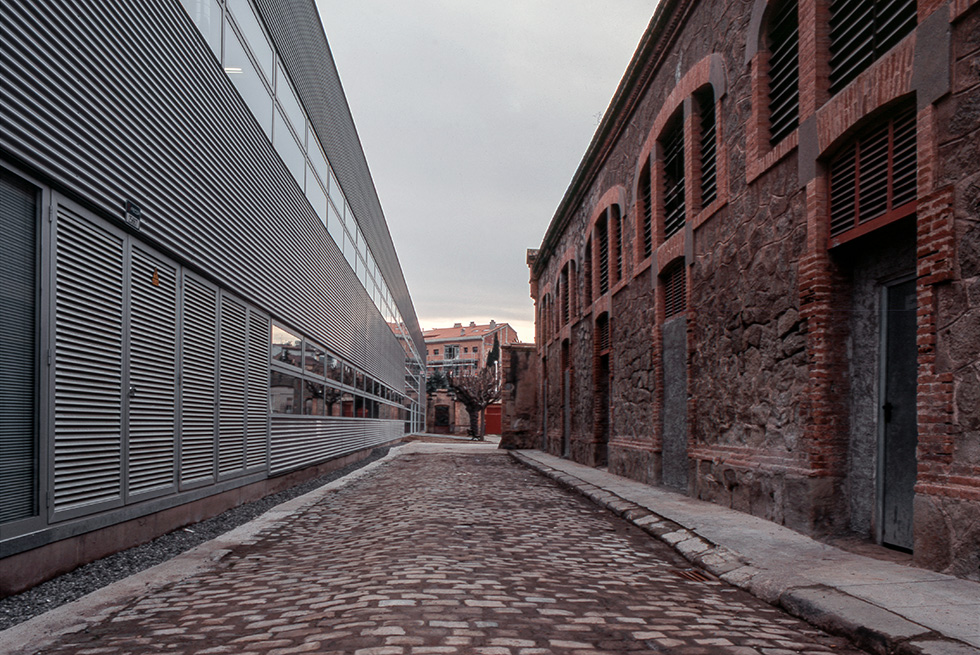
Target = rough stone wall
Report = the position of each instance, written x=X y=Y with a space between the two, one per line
x=779 y=413
x=947 y=506
x=519 y=397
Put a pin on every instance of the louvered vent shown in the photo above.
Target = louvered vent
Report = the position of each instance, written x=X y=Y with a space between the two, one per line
x=231 y=388
x=875 y=175
x=603 y=338
x=587 y=263
x=861 y=31
x=709 y=148
x=602 y=236
x=152 y=374
x=564 y=295
x=646 y=212
x=675 y=296
x=673 y=148
x=199 y=368
x=88 y=365
x=784 y=71
x=259 y=332
x=616 y=256
x=18 y=385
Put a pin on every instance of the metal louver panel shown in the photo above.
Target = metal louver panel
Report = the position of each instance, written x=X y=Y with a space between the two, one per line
x=616 y=220
x=709 y=158
x=88 y=365
x=587 y=263
x=301 y=442
x=875 y=175
x=602 y=236
x=603 y=338
x=563 y=282
x=231 y=387
x=152 y=374
x=18 y=385
x=675 y=295
x=259 y=331
x=674 y=210
x=199 y=336
x=861 y=31
x=784 y=71
x=646 y=212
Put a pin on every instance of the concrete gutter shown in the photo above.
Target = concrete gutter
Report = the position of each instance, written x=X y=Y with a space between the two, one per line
x=884 y=607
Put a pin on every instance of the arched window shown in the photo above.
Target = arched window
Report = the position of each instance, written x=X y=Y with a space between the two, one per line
x=861 y=31
x=673 y=283
x=672 y=144
x=705 y=100
x=783 y=42
x=645 y=212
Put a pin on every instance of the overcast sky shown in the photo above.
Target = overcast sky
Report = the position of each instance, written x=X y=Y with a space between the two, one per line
x=474 y=116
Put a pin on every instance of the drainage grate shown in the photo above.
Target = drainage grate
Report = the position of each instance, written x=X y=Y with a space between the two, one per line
x=695 y=575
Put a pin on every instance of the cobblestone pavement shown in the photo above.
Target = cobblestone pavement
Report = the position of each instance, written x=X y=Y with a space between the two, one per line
x=450 y=553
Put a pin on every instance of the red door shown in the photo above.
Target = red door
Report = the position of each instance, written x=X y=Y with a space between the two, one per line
x=493 y=418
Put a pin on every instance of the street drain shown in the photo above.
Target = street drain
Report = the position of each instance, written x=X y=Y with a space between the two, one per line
x=695 y=575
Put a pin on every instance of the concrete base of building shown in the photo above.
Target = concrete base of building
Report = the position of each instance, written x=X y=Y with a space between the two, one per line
x=29 y=568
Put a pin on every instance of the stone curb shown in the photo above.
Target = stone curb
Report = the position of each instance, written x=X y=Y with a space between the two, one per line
x=868 y=626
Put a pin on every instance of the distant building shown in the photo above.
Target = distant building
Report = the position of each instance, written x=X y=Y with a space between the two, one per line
x=457 y=350
x=202 y=303
x=762 y=285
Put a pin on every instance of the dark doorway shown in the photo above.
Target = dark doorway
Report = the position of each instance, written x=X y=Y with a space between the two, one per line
x=441 y=422
x=603 y=404
x=566 y=401
x=898 y=414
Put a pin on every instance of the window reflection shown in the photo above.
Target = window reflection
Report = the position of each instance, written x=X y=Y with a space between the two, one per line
x=290 y=151
x=333 y=368
x=206 y=14
x=332 y=405
x=348 y=375
x=347 y=403
x=312 y=398
x=313 y=357
x=254 y=35
x=247 y=80
x=286 y=347
x=285 y=393
x=290 y=104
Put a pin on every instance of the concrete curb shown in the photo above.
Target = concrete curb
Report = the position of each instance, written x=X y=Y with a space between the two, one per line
x=869 y=626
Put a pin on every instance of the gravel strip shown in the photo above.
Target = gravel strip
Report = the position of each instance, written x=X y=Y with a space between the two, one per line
x=85 y=579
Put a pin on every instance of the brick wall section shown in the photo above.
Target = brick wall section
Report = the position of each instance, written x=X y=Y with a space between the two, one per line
x=768 y=327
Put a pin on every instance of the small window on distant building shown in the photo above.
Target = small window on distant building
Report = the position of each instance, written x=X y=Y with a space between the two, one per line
x=435 y=351
x=452 y=352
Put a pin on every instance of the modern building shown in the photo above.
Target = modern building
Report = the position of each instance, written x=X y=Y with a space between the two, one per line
x=762 y=286
x=202 y=303
x=454 y=351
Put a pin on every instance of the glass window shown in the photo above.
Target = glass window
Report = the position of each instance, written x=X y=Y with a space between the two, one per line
x=316 y=195
x=289 y=149
x=317 y=159
x=332 y=401
x=333 y=368
x=254 y=35
x=335 y=227
x=248 y=81
x=290 y=104
x=347 y=403
x=348 y=375
x=350 y=252
x=206 y=14
x=359 y=410
x=359 y=380
x=312 y=398
x=285 y=393
x=286 y=347
x=313 y=359
x=334 y=190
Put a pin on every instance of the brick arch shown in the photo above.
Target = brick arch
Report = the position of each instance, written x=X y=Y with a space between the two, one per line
x=614 y=196
x=709 y=70
x=756 y=28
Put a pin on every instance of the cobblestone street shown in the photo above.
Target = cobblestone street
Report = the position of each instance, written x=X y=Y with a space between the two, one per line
x=450 y=553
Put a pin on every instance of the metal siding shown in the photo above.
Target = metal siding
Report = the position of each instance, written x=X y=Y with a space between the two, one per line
x=299 y=442
x=257 y=422
x=152 y=374
x=88 y=364
x=125 y=101
x=232 y=369
x=18 y=386
x=198 y=379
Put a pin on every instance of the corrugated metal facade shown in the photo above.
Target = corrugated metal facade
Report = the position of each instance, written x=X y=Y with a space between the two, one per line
x=157 y=336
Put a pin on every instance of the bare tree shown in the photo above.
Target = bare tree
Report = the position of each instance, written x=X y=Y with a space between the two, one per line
x=476 y=390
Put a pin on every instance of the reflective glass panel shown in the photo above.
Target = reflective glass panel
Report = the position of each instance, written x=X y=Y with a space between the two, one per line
x=317 y=158
x=334 y=369
x=316 y=196
x=332 y=401
x=286 y=347
x=312 y=398
x=206 y=14
x=348 y=375
x=254 y=35
x=313 y=359
x=290 y=151
x=290 y=104
x=285 y=393
x=248 y=81
x=347 y=404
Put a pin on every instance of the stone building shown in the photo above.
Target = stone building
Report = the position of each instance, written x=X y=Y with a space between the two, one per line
x=456 y=350
x=762 y=286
